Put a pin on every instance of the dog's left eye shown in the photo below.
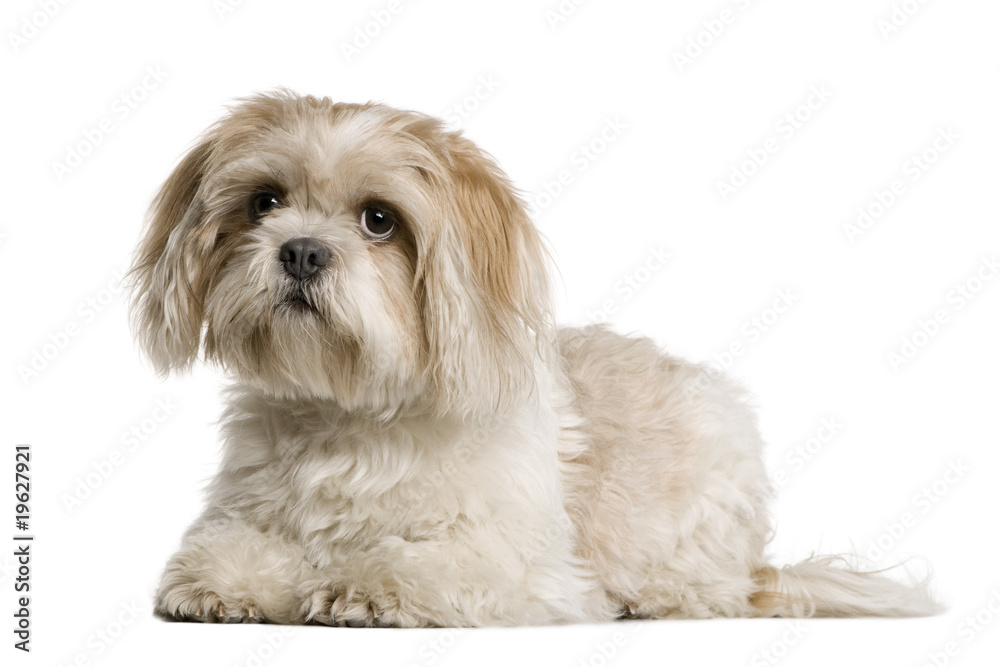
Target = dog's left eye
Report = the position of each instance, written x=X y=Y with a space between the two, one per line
x=377 y=223
x=261 y=204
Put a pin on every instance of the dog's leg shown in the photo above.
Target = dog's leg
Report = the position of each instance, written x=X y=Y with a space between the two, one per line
x=490 y=575
x=229 y=571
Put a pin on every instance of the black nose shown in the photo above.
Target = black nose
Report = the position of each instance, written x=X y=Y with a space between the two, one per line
x=303 y=257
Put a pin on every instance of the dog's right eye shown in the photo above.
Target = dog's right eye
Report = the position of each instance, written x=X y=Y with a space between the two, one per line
x=261 y=204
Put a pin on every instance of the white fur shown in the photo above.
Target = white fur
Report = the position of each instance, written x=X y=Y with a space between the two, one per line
x=420 y=446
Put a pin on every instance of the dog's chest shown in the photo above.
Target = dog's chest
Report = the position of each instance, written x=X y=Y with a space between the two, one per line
x=352 y=487
x=342 y=487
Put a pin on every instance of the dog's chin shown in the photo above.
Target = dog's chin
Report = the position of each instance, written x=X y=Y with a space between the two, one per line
x=297 y=351
x=296 y=306
x=297 y=301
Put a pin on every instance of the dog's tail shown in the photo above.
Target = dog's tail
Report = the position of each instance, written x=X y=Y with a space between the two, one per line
x=833 y=586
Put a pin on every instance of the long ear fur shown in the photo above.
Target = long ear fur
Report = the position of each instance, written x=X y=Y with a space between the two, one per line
x=486 y=287
x=167 y=289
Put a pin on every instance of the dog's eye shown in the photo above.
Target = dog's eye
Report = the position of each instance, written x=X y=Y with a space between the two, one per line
x=261 y=204
x=377 y=223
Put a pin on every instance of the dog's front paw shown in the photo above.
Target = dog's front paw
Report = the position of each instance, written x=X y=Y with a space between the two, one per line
x=339 y=606
x=191 y=602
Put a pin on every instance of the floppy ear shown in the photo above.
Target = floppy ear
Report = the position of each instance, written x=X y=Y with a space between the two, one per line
x=167 y=281
x=486 y=289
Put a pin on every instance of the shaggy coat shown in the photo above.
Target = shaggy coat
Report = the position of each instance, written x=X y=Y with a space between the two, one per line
x=409 y=440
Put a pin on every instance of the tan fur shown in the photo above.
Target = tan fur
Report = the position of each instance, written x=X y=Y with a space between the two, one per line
x=409 y=440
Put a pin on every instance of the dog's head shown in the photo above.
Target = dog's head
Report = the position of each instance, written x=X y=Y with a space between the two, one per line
x=344 y=252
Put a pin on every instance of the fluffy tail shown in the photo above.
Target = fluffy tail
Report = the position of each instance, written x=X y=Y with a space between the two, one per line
x=834 y=586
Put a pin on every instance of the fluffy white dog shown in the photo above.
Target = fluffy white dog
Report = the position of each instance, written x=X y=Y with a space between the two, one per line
x=410 y=441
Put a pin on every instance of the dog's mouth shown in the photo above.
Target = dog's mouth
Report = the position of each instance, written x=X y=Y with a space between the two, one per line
x=297 y=301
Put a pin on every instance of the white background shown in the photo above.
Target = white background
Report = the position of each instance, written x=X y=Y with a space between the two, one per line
x=554 y=86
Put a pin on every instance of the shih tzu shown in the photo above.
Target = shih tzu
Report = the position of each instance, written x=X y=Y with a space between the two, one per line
x=409 y=440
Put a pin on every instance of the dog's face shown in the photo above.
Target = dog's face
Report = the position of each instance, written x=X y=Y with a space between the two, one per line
x=352 y=253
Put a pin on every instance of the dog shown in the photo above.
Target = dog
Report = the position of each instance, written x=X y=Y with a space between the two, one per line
x=409 y=439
